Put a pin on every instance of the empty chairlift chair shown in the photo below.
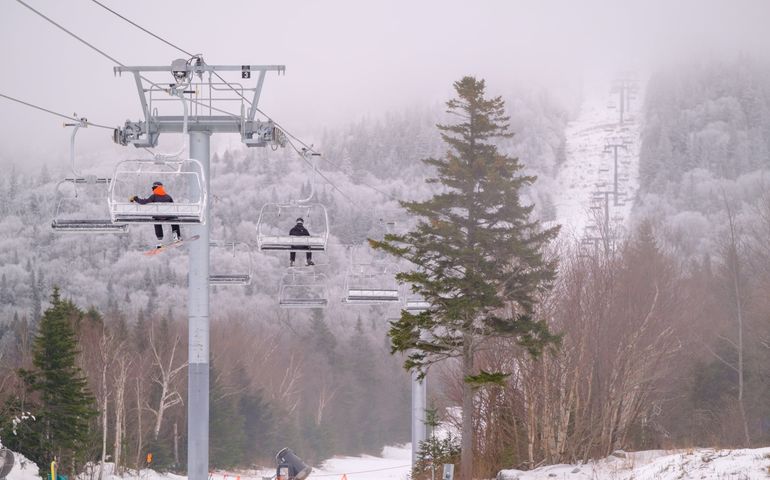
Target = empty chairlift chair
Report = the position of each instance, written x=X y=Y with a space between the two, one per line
x=183 y=180
x=303 y=288
x=231 y=263
x=416 y=305
x=371 y=284
x=84 y=209
x=275 y=221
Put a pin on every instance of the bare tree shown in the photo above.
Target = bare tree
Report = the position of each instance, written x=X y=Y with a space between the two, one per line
x=120 y=379
x=164 y=375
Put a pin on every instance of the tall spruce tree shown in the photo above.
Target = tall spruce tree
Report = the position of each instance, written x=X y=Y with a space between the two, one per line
x=63 y=404
x=479 y=255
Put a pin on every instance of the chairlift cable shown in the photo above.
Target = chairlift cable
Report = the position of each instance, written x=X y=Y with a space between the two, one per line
x=248 y=102
x=158 y=37
x=73 y=35
x=281 y=127
x=305 y=145
x=143 y=29
x=53 y=113
x=321 y=174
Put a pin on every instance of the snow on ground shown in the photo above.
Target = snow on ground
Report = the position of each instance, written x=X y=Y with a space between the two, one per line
x=23 y=469
x=701 y=464
x=589 y=166
x=692 y=464
x=395 y=463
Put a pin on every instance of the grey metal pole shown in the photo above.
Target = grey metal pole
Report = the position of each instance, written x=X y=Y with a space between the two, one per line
x=419 y=405
x=198 y=340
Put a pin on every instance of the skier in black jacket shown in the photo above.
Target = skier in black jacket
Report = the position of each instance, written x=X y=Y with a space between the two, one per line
x=159 y=195
x=300 y=231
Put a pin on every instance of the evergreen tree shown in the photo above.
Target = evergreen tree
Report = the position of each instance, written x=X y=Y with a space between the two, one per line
x=45 y=175
x=322 y=338
x=112 y=303
x=64 y=405
x=140 y=332
x=479 y=255
x=6 y=297
x=34 y=287
x=227 y=426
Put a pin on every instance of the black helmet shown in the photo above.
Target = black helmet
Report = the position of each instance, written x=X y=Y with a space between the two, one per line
x=156 y=184
x=299 y=220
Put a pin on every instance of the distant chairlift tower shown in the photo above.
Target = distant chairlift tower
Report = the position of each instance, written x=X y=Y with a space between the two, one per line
x=612 y=145
x=211 y=99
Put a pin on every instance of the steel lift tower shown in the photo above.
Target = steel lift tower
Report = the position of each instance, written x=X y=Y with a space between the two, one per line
x=208 y=94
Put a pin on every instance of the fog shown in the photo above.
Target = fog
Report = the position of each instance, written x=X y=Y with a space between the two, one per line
x=344 y=59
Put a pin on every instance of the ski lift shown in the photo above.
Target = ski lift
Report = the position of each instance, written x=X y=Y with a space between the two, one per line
x=371 y=284
x=303 y=288
x=416 y=305
x=276 y=219
x=184 y=180
x=70 y=210
x=237 y=260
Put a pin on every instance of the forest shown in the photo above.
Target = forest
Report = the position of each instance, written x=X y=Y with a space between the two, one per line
x=664 y=338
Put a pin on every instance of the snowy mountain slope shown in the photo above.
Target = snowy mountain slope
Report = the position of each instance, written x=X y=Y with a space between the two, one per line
x=746 y=464
x=589 y=166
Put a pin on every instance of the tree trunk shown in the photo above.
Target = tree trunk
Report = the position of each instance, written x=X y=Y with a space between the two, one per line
x=120 y=410
x=176 y=444
x=736 y=273
x=466 y=453
x=104 y=428
x=139 y=443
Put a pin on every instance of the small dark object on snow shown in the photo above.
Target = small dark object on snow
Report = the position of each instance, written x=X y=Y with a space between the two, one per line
x=290 y=466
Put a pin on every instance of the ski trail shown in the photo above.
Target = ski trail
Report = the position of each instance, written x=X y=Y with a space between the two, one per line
x=589 y=168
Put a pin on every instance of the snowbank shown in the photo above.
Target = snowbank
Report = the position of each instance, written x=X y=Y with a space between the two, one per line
x=23 y=469
x=692 y=464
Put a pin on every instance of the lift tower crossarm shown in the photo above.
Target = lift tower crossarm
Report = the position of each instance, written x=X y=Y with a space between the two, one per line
x=254 y=133
x=199 y=69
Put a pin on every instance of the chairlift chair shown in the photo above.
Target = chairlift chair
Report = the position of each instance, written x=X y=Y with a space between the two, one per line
x=69 y=215
x=275 y=221
x=416 y=305
x=240 y=254
x=74 y=215
x=303 y=288
x=184 y=180
x=371 y=284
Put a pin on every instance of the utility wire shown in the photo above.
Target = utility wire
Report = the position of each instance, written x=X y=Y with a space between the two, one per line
x=54 y=113
x=84 y=42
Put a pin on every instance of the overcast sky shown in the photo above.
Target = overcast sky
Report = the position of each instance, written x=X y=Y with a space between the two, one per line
x=344 y=59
